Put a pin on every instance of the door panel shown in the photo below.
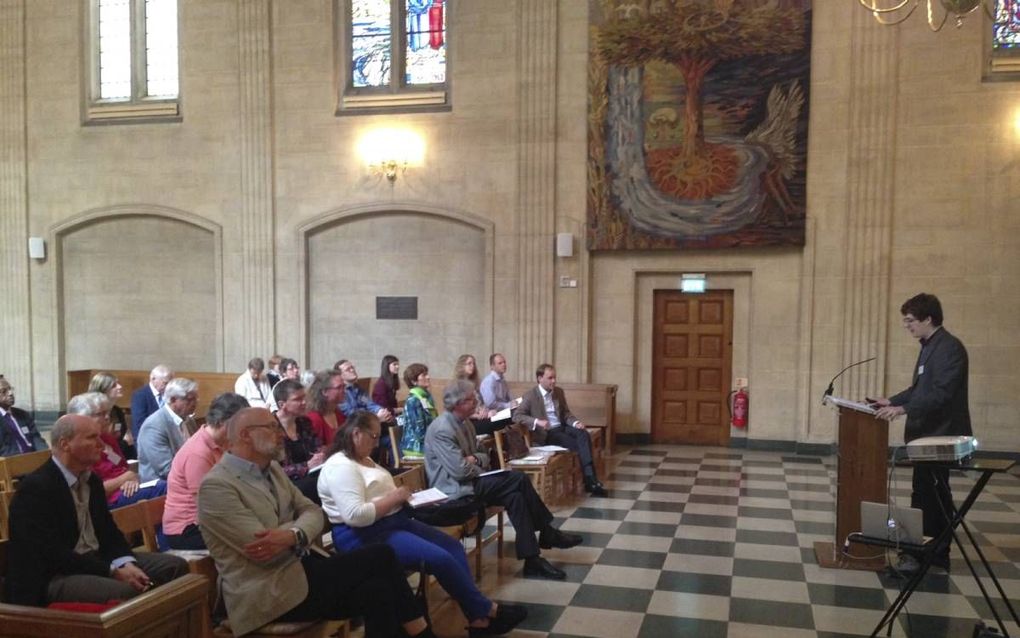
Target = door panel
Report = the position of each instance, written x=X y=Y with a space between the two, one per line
x=692 y=362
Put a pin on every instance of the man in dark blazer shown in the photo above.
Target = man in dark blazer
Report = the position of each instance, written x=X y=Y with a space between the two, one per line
x=544 y=410
x=149 y=398
x=936 y=405
x=18 y=434
x=64 y=543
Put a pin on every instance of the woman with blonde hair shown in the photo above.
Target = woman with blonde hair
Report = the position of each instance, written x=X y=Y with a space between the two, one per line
x=109 y=385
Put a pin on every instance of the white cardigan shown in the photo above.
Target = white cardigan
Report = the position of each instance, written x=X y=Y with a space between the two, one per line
x=347 y=489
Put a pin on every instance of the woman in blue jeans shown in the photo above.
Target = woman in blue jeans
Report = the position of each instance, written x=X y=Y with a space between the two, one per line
x=365 y=506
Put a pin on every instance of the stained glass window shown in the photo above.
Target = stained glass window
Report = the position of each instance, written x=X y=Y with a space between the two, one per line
x=1006 y=27
x=136 y=61
x=384 y=58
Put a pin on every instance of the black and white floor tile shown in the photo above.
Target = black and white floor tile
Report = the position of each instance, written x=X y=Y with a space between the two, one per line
x=716 y=542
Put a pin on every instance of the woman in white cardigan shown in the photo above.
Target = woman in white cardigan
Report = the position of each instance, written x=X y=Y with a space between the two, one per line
x=365 y=506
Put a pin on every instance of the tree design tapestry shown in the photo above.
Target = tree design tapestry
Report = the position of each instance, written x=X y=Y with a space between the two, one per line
x=697 y=123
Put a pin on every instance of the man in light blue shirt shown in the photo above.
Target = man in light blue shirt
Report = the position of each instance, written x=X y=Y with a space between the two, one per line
x=495 y=392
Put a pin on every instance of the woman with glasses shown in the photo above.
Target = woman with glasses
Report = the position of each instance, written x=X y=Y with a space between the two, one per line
x=302 y=449
x=324 y=398
x=365 y=506
x=109 y=385
x=120 y=483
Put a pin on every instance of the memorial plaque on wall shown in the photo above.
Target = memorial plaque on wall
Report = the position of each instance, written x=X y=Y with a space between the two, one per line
x=396 y=307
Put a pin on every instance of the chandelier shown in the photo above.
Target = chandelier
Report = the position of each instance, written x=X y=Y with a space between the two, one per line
x=894 y=12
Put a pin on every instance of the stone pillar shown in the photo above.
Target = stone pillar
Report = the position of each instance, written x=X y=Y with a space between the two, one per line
x=15 y=333
x=870 y=201
x=256 y=222
x=536 y=177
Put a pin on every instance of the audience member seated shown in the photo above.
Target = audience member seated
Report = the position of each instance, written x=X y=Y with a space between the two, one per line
x=355 y=399
x=18 y=434
x=495 y=391
x=303 y=451
x=255 y=387
x=258 y=527
x=289 y=369
x=419 y=410
x=147 y=399
x=365 y=506
x=119 y=483
x=192 y=462
x=109 y=385
x=544 y=410
x=454 y=463
x=384 y=394
x=64 y=545
x=467 y=369
x=307 y=378
x=324 y=397
x=274 y=374
x=166 y=430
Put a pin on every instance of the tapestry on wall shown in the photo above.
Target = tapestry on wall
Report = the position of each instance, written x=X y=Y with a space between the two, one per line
x=697 y=123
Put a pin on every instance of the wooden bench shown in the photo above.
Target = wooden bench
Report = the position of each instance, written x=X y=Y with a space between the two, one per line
x=11 y=469
x=175 y=609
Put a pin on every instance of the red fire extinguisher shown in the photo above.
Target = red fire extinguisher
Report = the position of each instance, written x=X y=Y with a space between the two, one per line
x=739 y=407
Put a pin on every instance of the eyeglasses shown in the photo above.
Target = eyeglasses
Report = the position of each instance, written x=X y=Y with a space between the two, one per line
x=375 y=435
x=335 y=387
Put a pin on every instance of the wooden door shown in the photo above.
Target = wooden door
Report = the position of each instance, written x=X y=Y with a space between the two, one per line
x=692 y=358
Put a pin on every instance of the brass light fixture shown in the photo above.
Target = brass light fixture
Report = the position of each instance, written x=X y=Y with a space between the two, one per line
x=388 y=152
x=891 y=12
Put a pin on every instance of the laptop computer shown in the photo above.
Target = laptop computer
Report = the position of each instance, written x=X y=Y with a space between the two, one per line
x=907 y=524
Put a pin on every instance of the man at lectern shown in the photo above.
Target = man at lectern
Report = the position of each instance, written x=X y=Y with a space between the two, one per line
x=935 y=405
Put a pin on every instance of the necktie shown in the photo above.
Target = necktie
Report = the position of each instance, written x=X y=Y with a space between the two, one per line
x=23 y=443
x=159 y=399
x=87 y=541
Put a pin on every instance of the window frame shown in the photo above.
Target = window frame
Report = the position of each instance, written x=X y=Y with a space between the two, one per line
x=139 y=107
x=397 y=97
x=999 y=66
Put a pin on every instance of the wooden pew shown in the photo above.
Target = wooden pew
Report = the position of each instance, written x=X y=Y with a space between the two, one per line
x=176 y=609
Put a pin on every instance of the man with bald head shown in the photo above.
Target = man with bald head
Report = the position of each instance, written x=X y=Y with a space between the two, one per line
x=258 y=527
x=64 y=543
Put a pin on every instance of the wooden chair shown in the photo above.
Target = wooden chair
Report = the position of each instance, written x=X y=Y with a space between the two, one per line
x=399 y=460
x=176 y=609
x=5 y=506
x=554 y=475
x=14 y=467
x=415 y=480
x=134 y=525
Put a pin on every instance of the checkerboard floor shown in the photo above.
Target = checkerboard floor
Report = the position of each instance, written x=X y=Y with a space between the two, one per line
x=717 y=542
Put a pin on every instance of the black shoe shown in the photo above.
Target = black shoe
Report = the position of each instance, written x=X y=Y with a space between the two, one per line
x=540 y=567
x=595 y=487
x=507 y=617
x=551 y=537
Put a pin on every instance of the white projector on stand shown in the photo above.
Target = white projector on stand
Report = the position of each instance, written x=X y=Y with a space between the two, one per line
x=941 y=448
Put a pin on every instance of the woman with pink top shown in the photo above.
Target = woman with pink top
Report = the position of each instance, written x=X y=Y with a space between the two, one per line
x=190 y=465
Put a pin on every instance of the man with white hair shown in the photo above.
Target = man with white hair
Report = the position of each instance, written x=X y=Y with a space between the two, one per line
x=167 y=429
x=149 y=398
x=64 y=543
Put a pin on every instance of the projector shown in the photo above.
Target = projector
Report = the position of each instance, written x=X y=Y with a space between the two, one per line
x=941 y=448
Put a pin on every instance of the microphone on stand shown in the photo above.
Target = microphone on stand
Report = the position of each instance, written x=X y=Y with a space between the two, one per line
x=828 y=390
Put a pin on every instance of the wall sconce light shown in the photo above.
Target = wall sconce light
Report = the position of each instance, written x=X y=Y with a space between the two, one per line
x=387 y=151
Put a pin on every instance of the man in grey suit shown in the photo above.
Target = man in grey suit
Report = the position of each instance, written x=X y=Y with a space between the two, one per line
x=166 y=429
x=259 y=527
x=936 y=405
x=454 y=464
x=544 y=411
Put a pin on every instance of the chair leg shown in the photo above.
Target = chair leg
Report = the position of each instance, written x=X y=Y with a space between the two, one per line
x=499 y=535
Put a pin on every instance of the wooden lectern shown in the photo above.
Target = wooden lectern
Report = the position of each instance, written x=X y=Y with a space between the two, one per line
x=862 y=463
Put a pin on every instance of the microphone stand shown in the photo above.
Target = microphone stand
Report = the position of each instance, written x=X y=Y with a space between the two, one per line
x=828 y=390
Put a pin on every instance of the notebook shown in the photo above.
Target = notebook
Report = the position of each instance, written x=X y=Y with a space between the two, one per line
x=908 y=526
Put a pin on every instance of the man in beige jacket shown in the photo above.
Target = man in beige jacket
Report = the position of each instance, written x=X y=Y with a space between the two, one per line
x=258 y=525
